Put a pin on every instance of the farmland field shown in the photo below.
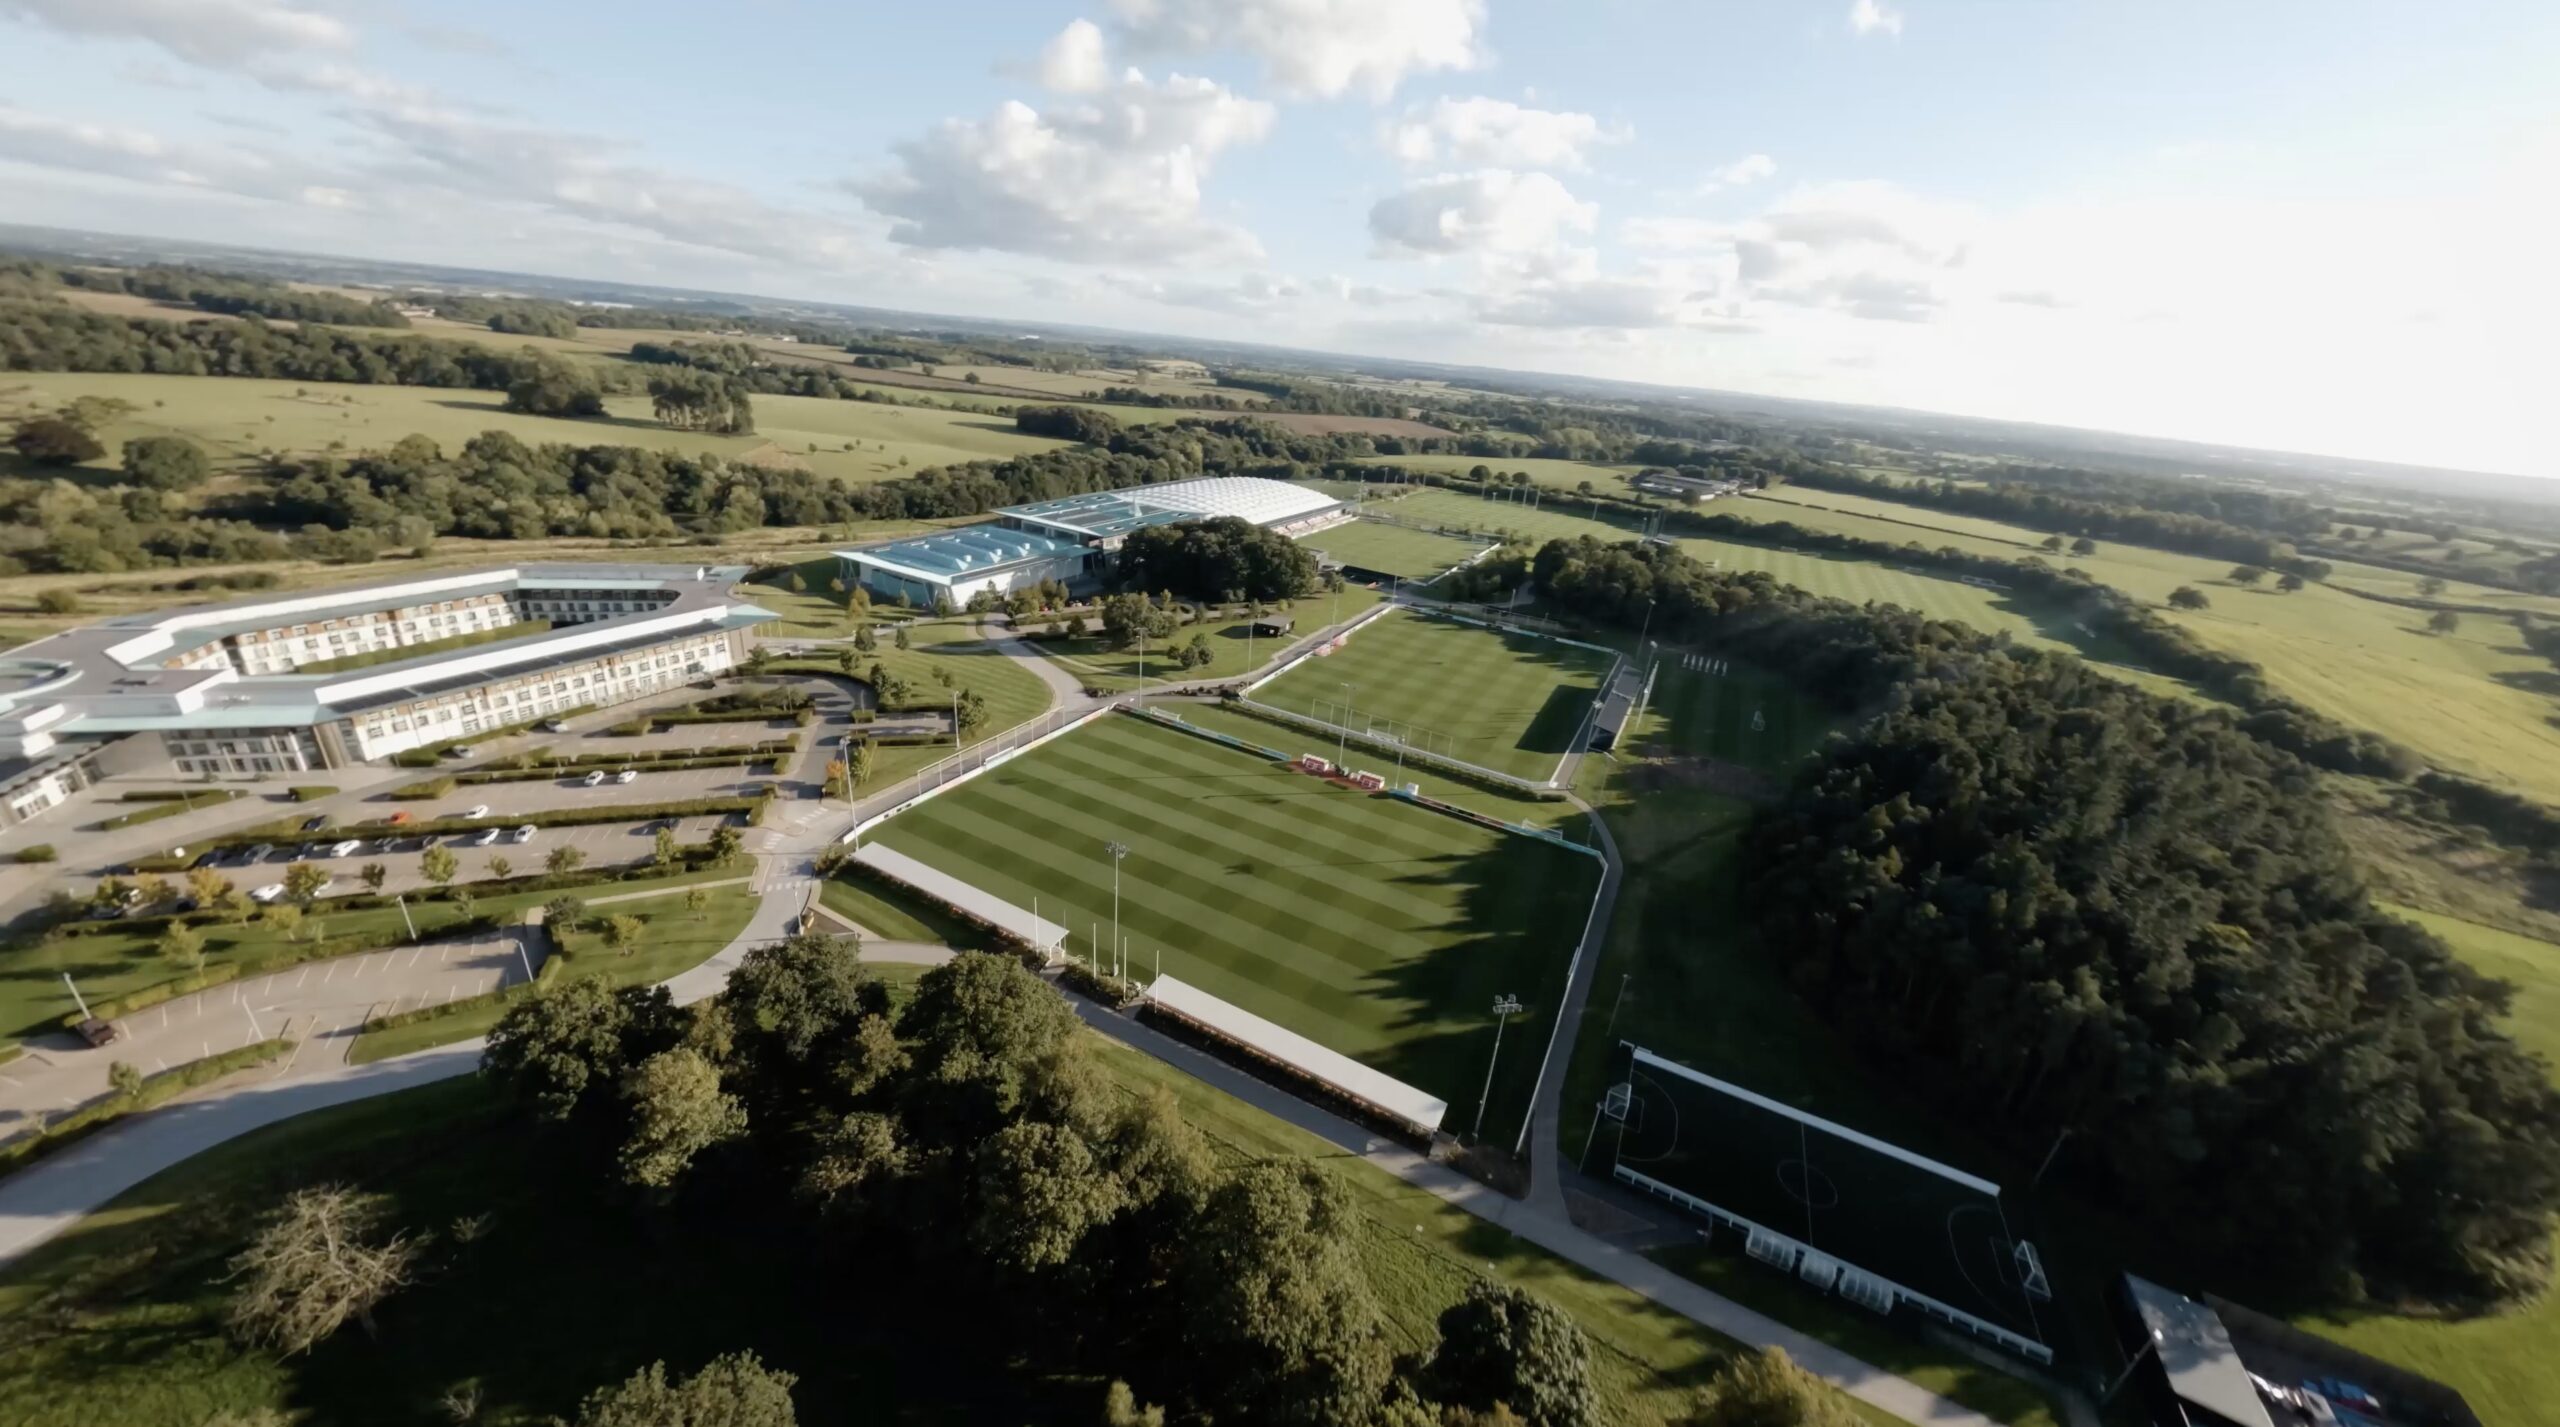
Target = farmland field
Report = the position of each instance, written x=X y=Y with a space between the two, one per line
x=1376 y=928
x=1392 y=550
x=240 y=417
x=1501 y=701
x=1545 y=471
x=2474 y=701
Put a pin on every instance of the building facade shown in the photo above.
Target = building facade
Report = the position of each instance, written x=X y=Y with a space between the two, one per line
x=291 y=684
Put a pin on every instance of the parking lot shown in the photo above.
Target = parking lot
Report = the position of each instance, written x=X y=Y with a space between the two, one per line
x=604 y=845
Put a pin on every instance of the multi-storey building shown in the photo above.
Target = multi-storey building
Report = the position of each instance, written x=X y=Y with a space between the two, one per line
x=286 y=684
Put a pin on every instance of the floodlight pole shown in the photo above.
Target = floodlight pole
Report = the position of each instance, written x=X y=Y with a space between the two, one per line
x=1623 y=978
x=2150 y=1348
x=1648 y=624
x=1116 y=851
x=405 y=920
x=1342 y=743
x=1504 y=1008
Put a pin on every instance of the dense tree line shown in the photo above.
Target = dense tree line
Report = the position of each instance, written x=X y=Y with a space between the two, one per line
x=2280 y=513
x=2085 y=908
x=1225 y=558
x=2102 y=519
x=52 y=337
x=756 y=370
x=498 y=488
x=962 y=1155
x=236 y=296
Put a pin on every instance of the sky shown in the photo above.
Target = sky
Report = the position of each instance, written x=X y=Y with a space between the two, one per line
x=2324 y=227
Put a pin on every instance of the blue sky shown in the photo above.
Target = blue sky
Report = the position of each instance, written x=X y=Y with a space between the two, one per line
x=2314 y=226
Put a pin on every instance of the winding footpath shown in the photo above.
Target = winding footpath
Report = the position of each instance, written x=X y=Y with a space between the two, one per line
x=48 y=1197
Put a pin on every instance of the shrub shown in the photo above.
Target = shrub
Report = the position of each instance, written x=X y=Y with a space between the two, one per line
x=310 y=792
x=426 y=789
x=37 y=852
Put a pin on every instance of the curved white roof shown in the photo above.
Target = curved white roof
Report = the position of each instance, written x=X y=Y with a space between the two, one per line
x=1107 y=513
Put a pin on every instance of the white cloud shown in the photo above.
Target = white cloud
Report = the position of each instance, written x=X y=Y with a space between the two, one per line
x=1874 y=17
x=218 y=34
x=1496 y=133
x=1075 y=61
x=279 y=46
x=1870 y=250
x=1319 y=48
x=1252 y=294
x=1489 y=211
x=580 y=176
x=1749 y=169
x=1111 y=177
x=44 y=141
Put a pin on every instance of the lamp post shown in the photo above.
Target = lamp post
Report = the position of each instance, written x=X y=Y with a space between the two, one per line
x=1342 y=742
x=1504 y=1008
x=1648 y=624
x=1116 y=851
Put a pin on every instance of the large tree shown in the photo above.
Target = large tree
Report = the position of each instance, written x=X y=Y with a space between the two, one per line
x=323 y=1261
x=677 y=1111
x=732 y=1390
x=557 y=1049
x=1205 y=559
x=1506 y=1345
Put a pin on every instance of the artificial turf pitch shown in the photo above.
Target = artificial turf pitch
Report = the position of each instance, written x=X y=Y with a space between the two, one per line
x=1930 y=1229
x=1376 y=928
x=1506 y=702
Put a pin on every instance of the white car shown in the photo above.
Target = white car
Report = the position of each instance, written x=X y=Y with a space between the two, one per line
x=348 y=848
x=524 y=833
x=595 y=778
x=486 y=838
x=268 y=893
x=477 y=811
x=625 y=776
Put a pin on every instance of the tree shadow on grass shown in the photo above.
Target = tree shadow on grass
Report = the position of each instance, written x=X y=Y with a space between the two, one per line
x=1521 y=909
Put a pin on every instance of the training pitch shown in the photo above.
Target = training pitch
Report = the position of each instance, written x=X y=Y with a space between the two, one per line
x=1367 y=547
x=1711 y=706
x=1876 y=1223
x=1507 y=702
x=1378 y=929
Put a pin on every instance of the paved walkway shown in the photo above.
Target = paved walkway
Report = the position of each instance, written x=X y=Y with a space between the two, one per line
x=40 y=1201
x=1552 y=1232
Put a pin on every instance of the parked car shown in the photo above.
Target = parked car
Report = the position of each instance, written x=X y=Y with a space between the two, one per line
x=346 y=847
x=210 y=857
x=486 y=838
x=257 y=852
x=315 y=823
x=456 y=751
x=477 y=810
x=594 y=778
x=524 y=833
x=268 y=893
x=305 y=852
x=97 y=1032
x=398 y=818
x=625 y=776
x=553 y=725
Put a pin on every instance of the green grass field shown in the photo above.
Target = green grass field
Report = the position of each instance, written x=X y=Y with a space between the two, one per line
x=117 y=963
x=558 y=1297
x=1237 y=649
x=1501 y=701
x=1741 y=716
x=673 y=939
x=240 y=417
x=1392 y=550
x=2475 y=701
x=1378 y=929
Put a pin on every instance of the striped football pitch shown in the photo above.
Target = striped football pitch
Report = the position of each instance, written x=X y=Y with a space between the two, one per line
x=1502 y=701
x=1376 y=928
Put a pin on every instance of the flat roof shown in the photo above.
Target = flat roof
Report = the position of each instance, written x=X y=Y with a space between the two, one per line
x=1039 y=931
x=2196 y=1353
x=1107 y=513
x=970 y=550
x=1332 y=1067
